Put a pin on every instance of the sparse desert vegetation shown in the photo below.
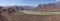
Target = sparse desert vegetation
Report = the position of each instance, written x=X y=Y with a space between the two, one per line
x=42 y=12
x=28 y=15
x=21 y=16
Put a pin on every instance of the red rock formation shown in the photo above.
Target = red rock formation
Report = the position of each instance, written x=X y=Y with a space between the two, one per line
x=48 y=7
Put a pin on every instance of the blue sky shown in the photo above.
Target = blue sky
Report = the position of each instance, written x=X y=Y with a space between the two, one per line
x=25 y=2
x=57 y=0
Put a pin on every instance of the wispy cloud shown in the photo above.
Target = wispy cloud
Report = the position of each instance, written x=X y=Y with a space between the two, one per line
x=25 y=2
x=57 y=0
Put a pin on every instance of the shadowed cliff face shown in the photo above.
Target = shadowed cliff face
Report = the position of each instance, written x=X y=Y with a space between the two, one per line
x=9 y=11
x=2 y=18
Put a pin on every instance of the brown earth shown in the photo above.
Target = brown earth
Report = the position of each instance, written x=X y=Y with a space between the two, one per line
x=28 y=17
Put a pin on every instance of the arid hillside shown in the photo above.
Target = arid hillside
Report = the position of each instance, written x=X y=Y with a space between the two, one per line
x=12 y=14
x=49 y=7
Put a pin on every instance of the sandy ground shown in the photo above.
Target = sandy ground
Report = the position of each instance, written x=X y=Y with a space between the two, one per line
x=29 y=17
x=23 y=17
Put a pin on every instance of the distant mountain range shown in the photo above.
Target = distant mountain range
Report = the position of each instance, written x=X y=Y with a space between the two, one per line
x=49 y=7
x=40 y=7
x=24 y=7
